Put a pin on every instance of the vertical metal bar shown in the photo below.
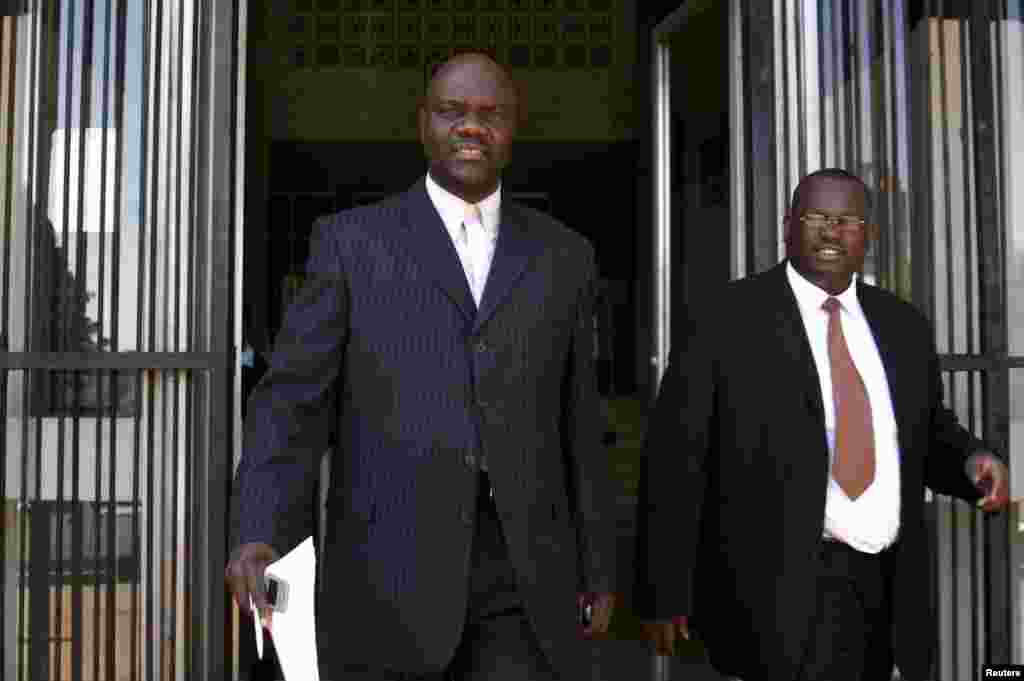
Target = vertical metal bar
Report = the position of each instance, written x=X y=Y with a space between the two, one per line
x=970 y=287
x=66 y=290
x=663 y=208
x=903 y=181
x=146 y=273
x=784 y=155
x=135 y=618
x=39 y=538
x=182 y=188
x=801 y=95
x=884 y=146
x=26 y=606
x=828 y=39
x=158 y=192
x=995 y=332
x=120 y=88
x=85 y=89
x=841 y=88
x=241 y=200
x=762 y=173
x=9 y=73
x=217 y=136
x=737 y=145
x=852 y=58
x=922 y=218
x=100 y=376
x=850 y=90
x=662 y=242
x=194 y=614
x=40 y=92
x=950 y=297
x=923 y=248
x=171 y=181
x=973 y=538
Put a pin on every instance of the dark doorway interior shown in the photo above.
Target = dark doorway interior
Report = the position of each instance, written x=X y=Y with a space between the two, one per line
x=700 y=158
x=589 y=186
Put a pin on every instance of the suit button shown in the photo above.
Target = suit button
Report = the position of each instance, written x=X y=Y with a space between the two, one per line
x=470 y=461
x=482 y=404
x=480 y=346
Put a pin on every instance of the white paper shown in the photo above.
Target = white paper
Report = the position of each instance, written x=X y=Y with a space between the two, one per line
x=293 y=630
x=257 y=625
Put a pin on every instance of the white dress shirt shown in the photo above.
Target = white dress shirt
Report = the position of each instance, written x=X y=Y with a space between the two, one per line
x=477 y=250
x=871 y=522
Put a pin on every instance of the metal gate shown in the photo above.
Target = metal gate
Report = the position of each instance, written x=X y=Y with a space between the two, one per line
x=120 y=223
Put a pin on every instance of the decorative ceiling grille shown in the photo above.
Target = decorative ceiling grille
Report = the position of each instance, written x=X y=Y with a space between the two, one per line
x=416 y=34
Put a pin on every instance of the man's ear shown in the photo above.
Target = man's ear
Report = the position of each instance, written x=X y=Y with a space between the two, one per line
x=421 y=121
x=787 y=228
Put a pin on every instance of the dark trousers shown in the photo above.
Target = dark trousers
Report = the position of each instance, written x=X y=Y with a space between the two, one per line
x=850 y=633
x=498 y=643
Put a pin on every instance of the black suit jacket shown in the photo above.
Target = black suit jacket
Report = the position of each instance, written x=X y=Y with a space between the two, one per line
x=426 y=384
x=736 y=472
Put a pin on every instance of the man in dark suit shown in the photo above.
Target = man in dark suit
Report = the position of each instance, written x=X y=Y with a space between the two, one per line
x=797 y=426
x=466 y=500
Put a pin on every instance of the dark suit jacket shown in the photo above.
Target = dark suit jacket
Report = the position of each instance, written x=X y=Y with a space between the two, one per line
x=736 y=471
x=426 y=384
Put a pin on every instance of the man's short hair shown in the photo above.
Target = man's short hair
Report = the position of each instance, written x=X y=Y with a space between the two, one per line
x=836 y=174
x=510 y=80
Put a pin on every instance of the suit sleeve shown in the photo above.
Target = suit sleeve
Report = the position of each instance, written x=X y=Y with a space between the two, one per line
x=674 y=476
x=586 y=456
x=287 y=415
x=951 y=444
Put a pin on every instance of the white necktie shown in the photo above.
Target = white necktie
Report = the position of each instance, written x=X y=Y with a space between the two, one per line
x=479 y=249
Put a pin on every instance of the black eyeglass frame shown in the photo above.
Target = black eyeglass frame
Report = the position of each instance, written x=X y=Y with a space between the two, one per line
x=846 y=223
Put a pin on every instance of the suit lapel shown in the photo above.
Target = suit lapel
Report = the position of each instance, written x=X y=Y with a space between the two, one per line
x=429 y=242
x=516 y=246
x=793 y=335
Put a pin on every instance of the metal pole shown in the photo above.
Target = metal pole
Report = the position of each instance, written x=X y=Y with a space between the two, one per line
x=660 y=668
x=662 y=239
x=737 y=146
x=662 y=210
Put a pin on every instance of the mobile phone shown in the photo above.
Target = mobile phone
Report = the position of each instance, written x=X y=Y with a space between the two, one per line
x=276 y=592
x=586 y=608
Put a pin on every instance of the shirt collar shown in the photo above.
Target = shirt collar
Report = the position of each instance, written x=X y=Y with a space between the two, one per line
x=810 y=297
x=452 y=209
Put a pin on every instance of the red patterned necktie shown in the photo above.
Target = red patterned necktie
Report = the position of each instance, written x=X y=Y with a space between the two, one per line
x=853 y=466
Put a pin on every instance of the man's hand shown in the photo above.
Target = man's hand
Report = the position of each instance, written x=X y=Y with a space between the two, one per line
x=992 y=479
x=244 y=576
x=602 y=606
x=664 y=633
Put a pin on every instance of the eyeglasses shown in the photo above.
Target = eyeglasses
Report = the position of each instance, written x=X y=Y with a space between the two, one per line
x=847 y=224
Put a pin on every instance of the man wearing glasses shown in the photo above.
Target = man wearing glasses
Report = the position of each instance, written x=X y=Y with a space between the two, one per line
x=797 y=426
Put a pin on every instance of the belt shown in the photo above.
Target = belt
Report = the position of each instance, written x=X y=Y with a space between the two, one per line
x=833 y=543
